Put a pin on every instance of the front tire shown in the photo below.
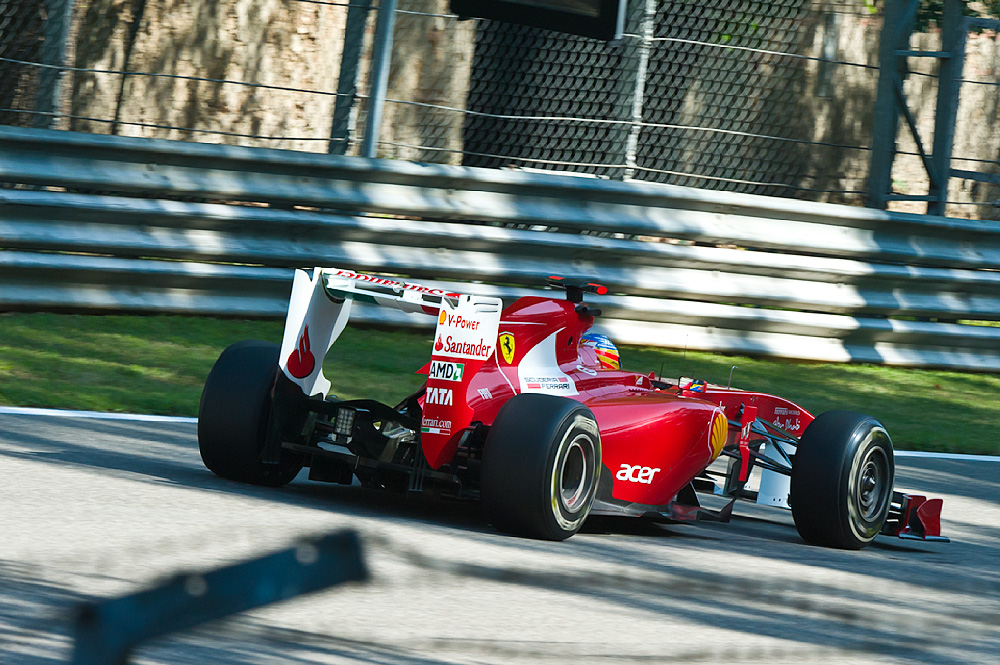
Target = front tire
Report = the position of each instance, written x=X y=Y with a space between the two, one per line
x=540 y=467
x=842 y=476
x=234 y=415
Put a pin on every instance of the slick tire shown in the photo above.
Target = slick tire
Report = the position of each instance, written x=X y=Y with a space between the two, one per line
x=842 y=475
x=234 y=414
x=540 y=467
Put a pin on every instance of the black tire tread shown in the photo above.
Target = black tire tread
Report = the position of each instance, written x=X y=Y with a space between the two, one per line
x=233 y=416
x=515 y=484
x=820 y=476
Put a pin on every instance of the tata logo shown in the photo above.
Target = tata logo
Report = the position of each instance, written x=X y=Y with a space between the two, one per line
x=636 y=474
x=441 y=396
x=446 y=371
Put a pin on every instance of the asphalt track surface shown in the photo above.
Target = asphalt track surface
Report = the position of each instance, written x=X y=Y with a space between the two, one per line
x=93 y=508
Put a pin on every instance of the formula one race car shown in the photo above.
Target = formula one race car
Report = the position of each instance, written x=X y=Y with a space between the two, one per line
x=524 y=411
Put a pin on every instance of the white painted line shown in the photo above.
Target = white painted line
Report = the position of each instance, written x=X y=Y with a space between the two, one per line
x=955 y=456
x=96 y=415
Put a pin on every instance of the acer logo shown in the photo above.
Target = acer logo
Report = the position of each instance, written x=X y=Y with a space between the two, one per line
x=441 y=396
x=301 y=362
x=636 y=474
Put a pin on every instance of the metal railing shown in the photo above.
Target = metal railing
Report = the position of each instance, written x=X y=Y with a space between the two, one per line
x=775 y=98
x=94 y=222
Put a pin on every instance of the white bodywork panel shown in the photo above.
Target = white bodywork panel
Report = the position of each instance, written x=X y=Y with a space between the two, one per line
x=320 y=306
x=539 y=372
x=775 y=487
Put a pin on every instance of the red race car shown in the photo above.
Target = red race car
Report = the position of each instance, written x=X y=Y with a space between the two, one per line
x=528 y=412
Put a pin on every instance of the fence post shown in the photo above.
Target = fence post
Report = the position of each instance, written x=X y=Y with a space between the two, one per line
x=638 y=20
x=886 y=120
x=953 y=32
x=58 y=14
x=345 y=108
x=379 y=80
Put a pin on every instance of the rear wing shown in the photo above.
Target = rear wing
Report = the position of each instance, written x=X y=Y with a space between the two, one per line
x=320 y=307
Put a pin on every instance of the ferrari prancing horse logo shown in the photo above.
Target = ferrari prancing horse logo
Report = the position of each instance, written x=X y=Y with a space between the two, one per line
x=507 y=347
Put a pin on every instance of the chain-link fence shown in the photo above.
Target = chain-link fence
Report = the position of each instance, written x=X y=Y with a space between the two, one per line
x=772 y=98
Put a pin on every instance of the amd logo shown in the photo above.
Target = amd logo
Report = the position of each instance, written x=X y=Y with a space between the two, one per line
x=446 y=371
x=440 y=396
x=636 y=474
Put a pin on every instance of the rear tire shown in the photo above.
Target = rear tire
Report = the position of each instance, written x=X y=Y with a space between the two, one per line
x=234 y=415
x=842 y=476
x=540 y=467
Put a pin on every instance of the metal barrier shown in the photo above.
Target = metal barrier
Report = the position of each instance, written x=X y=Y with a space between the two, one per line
x=112 y=223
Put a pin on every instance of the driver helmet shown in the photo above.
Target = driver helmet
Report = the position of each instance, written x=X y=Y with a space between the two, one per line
x=607 y=352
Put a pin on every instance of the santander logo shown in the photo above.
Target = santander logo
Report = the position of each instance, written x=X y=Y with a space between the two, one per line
x=301 y=361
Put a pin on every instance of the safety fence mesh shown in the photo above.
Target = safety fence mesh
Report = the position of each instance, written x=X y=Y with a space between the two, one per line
x=772 y=98
x=21 y=45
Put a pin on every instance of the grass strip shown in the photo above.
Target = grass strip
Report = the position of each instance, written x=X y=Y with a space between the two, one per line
x=157 y=365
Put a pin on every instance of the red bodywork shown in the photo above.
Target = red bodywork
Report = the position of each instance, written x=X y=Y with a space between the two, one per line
x=654 y=440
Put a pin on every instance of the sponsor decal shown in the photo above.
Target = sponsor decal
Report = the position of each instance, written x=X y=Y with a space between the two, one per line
x=458 y=321
x=790 y=422
x=468 y=328
x=485 y=393
x=586 y=370
x=506 y=343
x=446 y=371
x=391 y=283
x=636 y=474
x=301 y=362
x=435 y=426
x=450 y=346
x=539 y=371
x=441 y=396
x=718 y=434
x=549 y=383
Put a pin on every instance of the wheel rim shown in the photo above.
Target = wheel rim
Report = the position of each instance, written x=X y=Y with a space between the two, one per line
x=872 y=483
x=574 y=481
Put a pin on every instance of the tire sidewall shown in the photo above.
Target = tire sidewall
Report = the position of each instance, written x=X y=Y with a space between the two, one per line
x=869 y=439
x=525 y=454
x=234 y=414
x=577 y=429
x=826 y=472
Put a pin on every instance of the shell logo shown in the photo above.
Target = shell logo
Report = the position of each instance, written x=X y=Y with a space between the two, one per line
x=442 y=317
x=719 y=434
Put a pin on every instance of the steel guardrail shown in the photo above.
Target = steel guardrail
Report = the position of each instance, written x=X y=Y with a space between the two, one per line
x=113 y=223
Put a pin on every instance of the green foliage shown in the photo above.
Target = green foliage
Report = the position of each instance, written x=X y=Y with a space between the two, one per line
x=922 y=409
x=930 y=11
x=158 y=364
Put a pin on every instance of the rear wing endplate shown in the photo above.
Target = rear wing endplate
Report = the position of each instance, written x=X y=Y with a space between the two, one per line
x=320 y=307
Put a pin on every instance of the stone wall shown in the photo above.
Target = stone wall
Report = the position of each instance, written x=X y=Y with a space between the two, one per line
x=293 y=45
x=297 y=45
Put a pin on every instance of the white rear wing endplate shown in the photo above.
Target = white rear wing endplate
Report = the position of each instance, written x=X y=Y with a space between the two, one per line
x=320 y=306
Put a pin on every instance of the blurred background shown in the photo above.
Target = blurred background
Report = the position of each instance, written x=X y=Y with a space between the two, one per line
x=773 y=98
